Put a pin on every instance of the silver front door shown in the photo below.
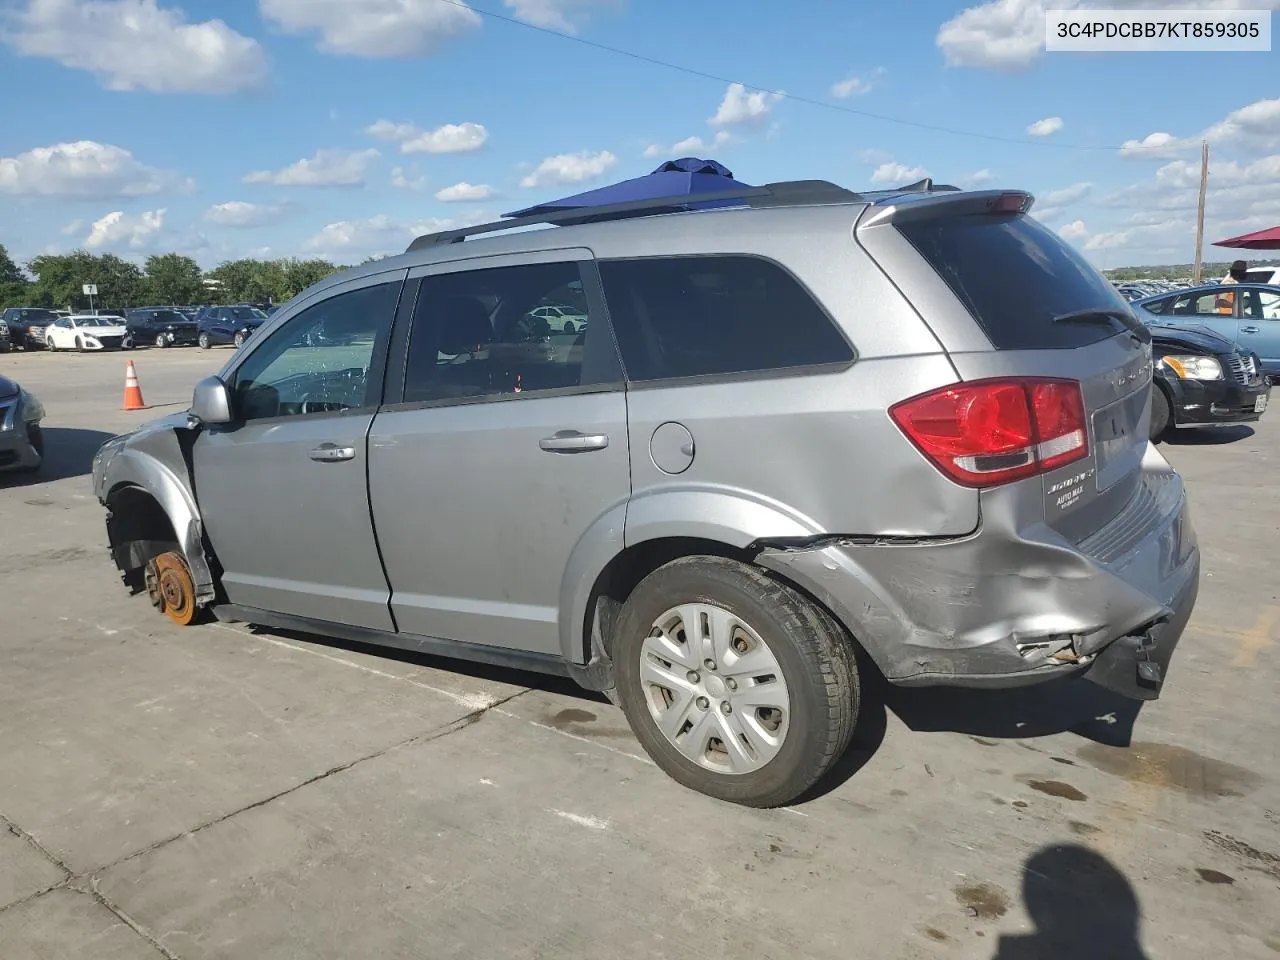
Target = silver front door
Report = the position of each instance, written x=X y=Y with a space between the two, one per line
x=283 y=490
x=509 y=443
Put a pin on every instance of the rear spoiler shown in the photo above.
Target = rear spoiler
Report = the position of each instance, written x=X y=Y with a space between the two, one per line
x=929 y=206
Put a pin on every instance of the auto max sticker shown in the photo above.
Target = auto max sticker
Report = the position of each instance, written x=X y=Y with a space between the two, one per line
x=1064 y=493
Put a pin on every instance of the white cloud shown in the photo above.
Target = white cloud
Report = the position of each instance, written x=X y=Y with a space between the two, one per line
x=856 y=86
x=739 y=107
x=380 y=234
x=898 y=173
x=136 y=45
x=976 y=179
x=689 y=146
x=82 y=169
x=1109 y=241
x=1073 y=230
x=386 y=29
x=118 y=229
x=1009 y=34
x=240 y=213
x=1052 y=202
x=465 y=192
x=450 y=138
x=556 y=14
x=328 y=168
x=1256 y=125
x=409 y=178
x=73 y=228
x=568 y=168
x=1045 y=127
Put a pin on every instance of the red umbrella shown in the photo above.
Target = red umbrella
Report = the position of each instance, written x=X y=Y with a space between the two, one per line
x=1262 y=240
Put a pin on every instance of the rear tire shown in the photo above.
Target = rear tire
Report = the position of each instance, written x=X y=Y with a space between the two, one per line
x=757 y=629
x=160 y=341
x=1161 y=414
x=205 y=342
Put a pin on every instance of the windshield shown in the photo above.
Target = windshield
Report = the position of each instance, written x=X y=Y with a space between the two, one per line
x=96 y=321
x=37 y=316
x=1018 y=279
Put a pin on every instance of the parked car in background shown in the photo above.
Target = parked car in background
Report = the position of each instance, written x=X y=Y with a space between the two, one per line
x=27 y=325
x=235 y=324
x=558 y=319
x=770 y=448
x=86 y=332
x=1267 y=275
x=21 y=439
x=161 y=327
x=1203 y=380
x=1247 y=314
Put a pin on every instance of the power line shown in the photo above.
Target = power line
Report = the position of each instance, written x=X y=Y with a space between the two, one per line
x=795 y=98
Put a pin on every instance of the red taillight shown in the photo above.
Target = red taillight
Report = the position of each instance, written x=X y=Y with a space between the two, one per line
x=990 y=432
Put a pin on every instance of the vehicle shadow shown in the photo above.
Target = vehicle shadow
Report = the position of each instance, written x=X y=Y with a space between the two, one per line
x=68 y=452
x=1081 y=905
x=480 y=671
x=1213 y=437
x=1069 y=705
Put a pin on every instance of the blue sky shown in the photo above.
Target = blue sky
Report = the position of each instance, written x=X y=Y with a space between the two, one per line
x=340 y=128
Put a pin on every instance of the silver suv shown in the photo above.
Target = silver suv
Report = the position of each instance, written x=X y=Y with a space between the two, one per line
x=911 y=424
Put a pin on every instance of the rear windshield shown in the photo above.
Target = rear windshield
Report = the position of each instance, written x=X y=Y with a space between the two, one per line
x=1015 y=275
x=34 y=316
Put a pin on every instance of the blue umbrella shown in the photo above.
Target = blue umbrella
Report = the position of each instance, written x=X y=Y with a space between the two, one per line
x=687 y=176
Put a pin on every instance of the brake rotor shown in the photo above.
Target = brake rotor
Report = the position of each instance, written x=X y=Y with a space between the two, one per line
x=171 y=588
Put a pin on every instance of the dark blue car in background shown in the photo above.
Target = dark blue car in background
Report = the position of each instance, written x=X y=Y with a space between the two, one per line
x=234 y=324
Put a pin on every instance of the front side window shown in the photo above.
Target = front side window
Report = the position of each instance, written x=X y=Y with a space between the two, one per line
x=319 y=361
x=695 y=316
x=1260 y=305
x=485 y=333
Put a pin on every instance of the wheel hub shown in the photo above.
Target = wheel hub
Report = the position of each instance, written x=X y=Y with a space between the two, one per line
x=171 y=588
x=714 y=689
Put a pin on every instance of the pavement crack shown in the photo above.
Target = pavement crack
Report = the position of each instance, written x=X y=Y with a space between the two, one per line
x=438 y=733
x=17 y=831
x=127 y=920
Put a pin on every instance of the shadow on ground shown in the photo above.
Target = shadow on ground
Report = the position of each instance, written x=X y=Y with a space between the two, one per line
x=68 y=452
x=1211 y=437
x=1081 y=906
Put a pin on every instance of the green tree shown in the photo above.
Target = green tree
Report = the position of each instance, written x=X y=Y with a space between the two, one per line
x=60 y=280
x=174 y=279
x=14 y=285
x=300 y=274
x=241 y=281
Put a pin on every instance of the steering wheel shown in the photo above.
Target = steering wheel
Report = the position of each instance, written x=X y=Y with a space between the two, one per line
x=352 y=377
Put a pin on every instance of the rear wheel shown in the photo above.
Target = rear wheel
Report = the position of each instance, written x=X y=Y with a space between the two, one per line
x=205 y=342
x=239 y=339
x=736 y=685
x=161 y=341
x=1161 y=414
x=171 y=587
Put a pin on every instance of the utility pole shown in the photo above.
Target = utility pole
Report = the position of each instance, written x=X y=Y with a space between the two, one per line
x=1204 y=183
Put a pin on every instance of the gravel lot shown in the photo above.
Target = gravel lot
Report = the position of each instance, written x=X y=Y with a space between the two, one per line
x=224 y=792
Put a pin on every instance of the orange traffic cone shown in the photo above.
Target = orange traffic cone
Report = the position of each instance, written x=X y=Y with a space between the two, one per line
x=132 y=392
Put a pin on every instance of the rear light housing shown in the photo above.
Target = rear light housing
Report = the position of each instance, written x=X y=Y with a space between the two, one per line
x=987 y=432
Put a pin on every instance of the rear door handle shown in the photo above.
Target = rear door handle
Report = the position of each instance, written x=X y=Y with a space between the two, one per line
x=1248 y=329
x=571 y=441
x=331 y=453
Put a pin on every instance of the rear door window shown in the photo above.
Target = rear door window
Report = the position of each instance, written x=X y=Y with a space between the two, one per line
x=698 y=316
x=1014 y=275
x=1214 y=304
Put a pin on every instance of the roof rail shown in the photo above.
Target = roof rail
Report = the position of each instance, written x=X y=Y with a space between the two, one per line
x=786 y=193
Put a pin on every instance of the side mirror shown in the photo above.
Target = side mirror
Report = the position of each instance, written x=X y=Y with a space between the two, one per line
x=211 y=402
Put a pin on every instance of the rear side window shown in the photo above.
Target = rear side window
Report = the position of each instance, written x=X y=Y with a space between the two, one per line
x=1015 y=275
x=698 y=316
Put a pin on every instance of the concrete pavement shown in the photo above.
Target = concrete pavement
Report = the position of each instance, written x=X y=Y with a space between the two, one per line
x=220 y=791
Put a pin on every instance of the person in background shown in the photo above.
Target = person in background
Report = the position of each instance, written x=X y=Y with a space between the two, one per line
x=1225 y=302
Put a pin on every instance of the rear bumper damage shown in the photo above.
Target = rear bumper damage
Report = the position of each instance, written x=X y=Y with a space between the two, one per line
x=1017 y=604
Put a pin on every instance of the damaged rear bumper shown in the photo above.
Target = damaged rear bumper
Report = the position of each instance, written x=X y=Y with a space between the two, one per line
x=1017 y=603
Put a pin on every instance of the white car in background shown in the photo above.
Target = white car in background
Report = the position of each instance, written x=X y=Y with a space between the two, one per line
x=85 y=332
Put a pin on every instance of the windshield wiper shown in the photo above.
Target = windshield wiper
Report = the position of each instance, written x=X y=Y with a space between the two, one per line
x=1105 y=315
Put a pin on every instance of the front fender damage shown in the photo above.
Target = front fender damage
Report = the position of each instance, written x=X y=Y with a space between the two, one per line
x=156 y=460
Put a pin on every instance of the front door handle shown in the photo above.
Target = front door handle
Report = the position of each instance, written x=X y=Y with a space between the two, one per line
x=331 y=453
x=571 y=441
x=1248 y=329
